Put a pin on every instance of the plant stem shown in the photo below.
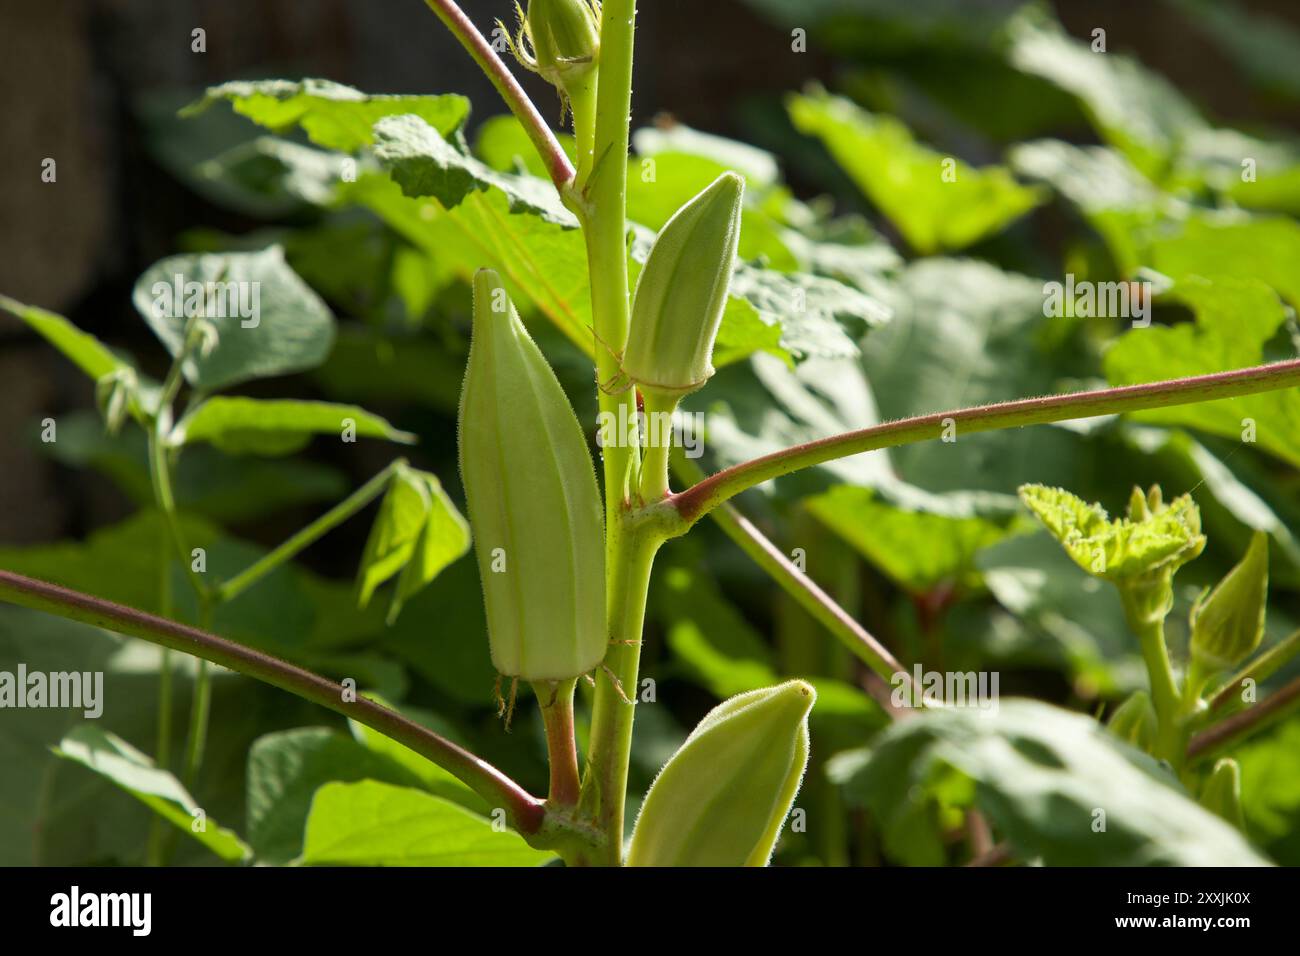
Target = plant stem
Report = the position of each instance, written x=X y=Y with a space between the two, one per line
x=200 y=707
x=820 y=605
x=331 y=519
x=629 y=550
x=1273 y=708
x=698 y=500
x=556 y=702
x=614 y=709
x=659 y=440
x=1259 y=669
x=543 y=140
x=524 y=812
x=1170 y=739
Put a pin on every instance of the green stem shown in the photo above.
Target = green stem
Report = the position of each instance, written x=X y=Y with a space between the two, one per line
x=605 y=784
x=155 y=852
x=659 y=442
x=629 y=549
x=700 y=499
x=197 y=737
x=1170 y=737
x=1223 y=735
x=1258 y=670
x=524 y=812
x=331 y=519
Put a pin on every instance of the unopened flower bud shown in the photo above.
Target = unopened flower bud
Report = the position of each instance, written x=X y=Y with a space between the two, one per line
x=1228 y=622
x=682 y=292
x=1134 y=721
x=563 y=42
x=534 y=507
x=722 y=798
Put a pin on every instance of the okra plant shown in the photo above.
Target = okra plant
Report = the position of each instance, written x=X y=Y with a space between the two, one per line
x=566 y=540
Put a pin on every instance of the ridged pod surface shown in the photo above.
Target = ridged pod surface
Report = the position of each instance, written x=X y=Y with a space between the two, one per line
x=722 y=798
x=534 y=506
x=682 y=292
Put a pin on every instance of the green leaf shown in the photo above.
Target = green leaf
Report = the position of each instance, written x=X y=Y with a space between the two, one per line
x=1124 y=548
x=1235 y=317
x=332 y=115
x=112 y=757
x=270 y=177
x=1270 y=790
x=1228 y=622
x=267 y=320
x=1136 y=110
x=89 y=354
x=374 y=824
x=424 y=164
x=916 y=550
x=286 y=768
x=1055 y=784
x=418 y=532
x=275 y=427
x=1116 y=199
x=1067 y=617
x=205 y=481
x=432 y=777
x=936 y=201
x=1237 y=247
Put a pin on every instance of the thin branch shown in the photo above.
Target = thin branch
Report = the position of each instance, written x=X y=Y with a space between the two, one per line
x=816 y=602
x=1271 y=709
x=231 y=589
x=708 y=494
x=539 y=132
x=524 y=812
x=1259 y=669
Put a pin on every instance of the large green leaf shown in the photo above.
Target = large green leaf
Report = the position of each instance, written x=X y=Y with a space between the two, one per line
x=267 y=320
x=936 y=201
x=1052 y=783
x=918 y=551
x=112 y=757
x=287 y=767
x=276 y=427
x=1234 y=245
x=374 y=824
x=1235 y=318
x=333 y=115
x=1136 y=110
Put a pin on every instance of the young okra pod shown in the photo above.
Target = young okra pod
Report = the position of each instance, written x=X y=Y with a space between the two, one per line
x=682 y=292
x=534 y=507
x=722 y=798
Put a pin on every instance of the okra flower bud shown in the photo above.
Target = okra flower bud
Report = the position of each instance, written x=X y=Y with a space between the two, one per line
x=1228 y=622
x=682 y=292
x=722 y=798
x=1221 y=794
x=565 y=37
x=534 y=507
x=1134 y=721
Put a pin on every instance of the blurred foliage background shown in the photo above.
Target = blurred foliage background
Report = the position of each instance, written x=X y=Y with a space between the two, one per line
x=1068 y=161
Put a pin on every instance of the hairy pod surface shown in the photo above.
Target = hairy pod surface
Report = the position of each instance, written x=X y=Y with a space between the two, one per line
x=722 y=798
x=534 y=507
x=682 y=292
